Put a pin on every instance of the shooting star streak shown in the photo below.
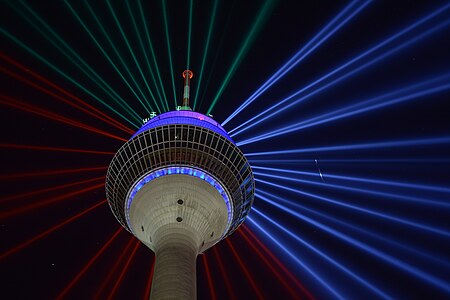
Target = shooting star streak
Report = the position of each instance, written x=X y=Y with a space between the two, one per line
x=320 y=173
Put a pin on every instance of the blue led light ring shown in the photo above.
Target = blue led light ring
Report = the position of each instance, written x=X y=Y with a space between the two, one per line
x=179 y=170
x=184 y=118
x=184 y=121
x=190 y=114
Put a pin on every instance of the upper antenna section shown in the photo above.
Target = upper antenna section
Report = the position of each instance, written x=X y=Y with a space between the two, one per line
x=187 y=75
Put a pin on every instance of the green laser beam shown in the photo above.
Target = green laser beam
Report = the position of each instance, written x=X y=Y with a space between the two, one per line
x=124 y=36
x=141 y=43
x=257 y=25
x=56 y=69
x=105 y=87
x=205 y=52
x=150 y=44
x=218 y=52
x=166 y=26
x=113 y=96
x=101 y=49
x=191 y=7
x=116 y=52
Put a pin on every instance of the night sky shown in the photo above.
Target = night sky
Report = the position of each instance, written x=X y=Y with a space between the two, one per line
x=383 y=239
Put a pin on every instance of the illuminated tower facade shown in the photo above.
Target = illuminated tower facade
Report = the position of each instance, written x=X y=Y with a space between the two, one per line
x=180 y=185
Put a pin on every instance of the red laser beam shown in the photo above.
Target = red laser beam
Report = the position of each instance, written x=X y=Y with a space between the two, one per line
x=68 y=94
x=50 y=93
x=149 y=282
x=9 y=101
x=48 y=173
x=212 y=290
x=88 y=265
x=288 y=287
x=266 y=261
x=50 y=189
x=124 y=270
x=59 y=149
x=114 y=268
x=48 y=231
x=224 y=274
x=245 y=270
x=51 y=200
x=278 y=262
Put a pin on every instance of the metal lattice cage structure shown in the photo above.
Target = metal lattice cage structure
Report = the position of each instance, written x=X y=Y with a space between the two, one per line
x=184 y=145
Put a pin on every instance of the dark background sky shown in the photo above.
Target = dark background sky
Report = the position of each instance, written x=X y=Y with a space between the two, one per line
x=44 y=268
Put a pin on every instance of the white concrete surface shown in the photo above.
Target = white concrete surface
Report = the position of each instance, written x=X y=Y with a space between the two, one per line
x=176 y=243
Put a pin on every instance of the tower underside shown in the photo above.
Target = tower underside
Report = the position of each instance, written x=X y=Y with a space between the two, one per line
x=179 y=201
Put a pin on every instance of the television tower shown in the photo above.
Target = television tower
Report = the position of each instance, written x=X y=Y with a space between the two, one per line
x=180 y=185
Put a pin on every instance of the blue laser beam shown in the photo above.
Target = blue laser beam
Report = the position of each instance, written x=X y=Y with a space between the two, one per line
x=418 y=186
x=354 y=160
x=359 y=190
x=332 y=261
x=378 y=214
x=282 y=106
x=363 y=146
x=295 y=257
x=413 y=92
x=282 y=161
x=389 y=196
x=324 y=34
x=438 y=282
x=360 y=230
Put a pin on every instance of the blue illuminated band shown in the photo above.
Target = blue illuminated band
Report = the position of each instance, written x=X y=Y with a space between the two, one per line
x=184 y=117
x=179 y=171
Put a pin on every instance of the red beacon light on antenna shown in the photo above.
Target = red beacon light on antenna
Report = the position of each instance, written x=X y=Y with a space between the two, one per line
x=188 y=72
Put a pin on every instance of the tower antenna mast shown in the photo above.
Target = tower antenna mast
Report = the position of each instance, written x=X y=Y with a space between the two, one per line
x=187 y=75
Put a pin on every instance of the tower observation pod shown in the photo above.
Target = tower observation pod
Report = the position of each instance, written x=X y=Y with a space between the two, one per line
x=180 y=185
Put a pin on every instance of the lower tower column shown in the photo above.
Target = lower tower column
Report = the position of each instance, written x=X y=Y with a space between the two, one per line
x=175 y=275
